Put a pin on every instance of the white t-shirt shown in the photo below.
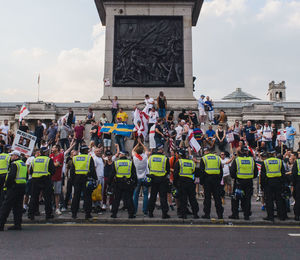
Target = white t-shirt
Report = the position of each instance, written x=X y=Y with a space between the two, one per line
x=141 y=166
x=28 y=163
x=225 y=166
x=153 y=117
x=4 y=129
x=179 y=130
x=99 y=166
x=148 y=105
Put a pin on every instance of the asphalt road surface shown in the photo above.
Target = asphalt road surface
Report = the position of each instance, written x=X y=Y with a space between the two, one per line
x=96 y=241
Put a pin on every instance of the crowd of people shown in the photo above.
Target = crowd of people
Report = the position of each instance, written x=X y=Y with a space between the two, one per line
x=178 y=157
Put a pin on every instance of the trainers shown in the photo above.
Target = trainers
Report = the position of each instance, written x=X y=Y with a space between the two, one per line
x=63 y=209
x=263 y=208
x=58 y=212
x=103 y=207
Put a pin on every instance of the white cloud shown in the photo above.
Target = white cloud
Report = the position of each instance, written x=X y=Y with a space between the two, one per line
x=75 y=74
x=247 y=48
x=224 y=7
x=271 y=8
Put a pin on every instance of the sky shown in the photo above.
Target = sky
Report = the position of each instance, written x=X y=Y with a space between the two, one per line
x=236 y=43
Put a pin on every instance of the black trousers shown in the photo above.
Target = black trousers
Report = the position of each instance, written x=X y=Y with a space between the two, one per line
x=80 y=187
x=187 y=191
x=273 y=193
x=13 y=201
x=68 y=192
x=245 y=201
x=2 y=181
x=123 y=191
x=45 y=186
x=162 y=189
x=212 y=187
x=297 y=199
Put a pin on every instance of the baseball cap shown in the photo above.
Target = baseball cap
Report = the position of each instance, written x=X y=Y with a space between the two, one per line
x=15 y=153
x=84 y=147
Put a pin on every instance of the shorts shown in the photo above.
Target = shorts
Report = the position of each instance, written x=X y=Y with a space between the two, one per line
x=57 y=187
x=106 y=142
x=202 y=112
x=227 y=180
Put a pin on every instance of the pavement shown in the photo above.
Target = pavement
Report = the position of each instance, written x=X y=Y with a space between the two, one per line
x=116 y=241
x=122 y=217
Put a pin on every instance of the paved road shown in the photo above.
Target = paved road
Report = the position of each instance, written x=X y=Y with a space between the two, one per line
x=149 y=242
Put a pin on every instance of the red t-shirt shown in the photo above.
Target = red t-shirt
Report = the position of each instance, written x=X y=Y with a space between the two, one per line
x=58 y=170
x=79 y=131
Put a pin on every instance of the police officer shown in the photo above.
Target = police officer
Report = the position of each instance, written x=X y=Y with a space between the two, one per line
x=42 y=167
x=184 y=175
x=243 y=170
x=124 y=179
x=159 y=170
x=296 y=184
x=15 y=184
x=211 y=174
x=83 y=168
x=4 y=164
x=272 y=182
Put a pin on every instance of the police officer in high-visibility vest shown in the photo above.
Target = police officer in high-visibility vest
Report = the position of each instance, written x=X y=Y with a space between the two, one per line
x=124 y=180
x=185 y=172
x=83 y=168
x=243 y=170
x=15 y=184
x=4 y=164
x=159 y=170
x=211 y=174
x=296 y=185
x=42 y=167
x=272 y=182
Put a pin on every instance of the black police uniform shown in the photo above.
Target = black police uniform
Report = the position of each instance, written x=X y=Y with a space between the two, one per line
x=13 y=199
x=212 y=186
x=79 y=181
x=45 y=185
x=296 y=192
x=123 y=189
x=245 y=185
x=160 y=184
x=187 y=190
x=273 y=188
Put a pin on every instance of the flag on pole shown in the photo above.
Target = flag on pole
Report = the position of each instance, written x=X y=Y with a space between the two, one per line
x=39 y=77
x=143 y=117
x=23 y=112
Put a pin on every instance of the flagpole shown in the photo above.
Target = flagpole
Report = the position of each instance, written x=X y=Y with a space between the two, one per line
x=38 y=98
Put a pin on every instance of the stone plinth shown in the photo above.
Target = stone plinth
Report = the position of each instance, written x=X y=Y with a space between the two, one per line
x=188 y=10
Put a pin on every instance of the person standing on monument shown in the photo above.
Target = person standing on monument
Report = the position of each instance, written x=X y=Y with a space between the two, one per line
x=114 y=108
x=201 y=108
x=149 y=102
x=162 y=104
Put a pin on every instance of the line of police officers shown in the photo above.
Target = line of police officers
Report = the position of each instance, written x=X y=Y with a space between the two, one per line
x=13 y=177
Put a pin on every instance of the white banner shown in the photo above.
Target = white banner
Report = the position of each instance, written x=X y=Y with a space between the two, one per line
x=24 y=142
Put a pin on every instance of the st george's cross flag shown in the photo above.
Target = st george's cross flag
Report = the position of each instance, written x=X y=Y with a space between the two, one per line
x=23 y=112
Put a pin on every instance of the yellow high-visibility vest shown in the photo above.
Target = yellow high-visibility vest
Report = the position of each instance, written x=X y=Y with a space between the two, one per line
x=187 y=168
x=40 y=166
x=123 y=168
x=245 y=167
x=4 y=163
x=158 y=165
x=21 y=172
x=212 y=163
x=82 y=164
x=273 y=167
